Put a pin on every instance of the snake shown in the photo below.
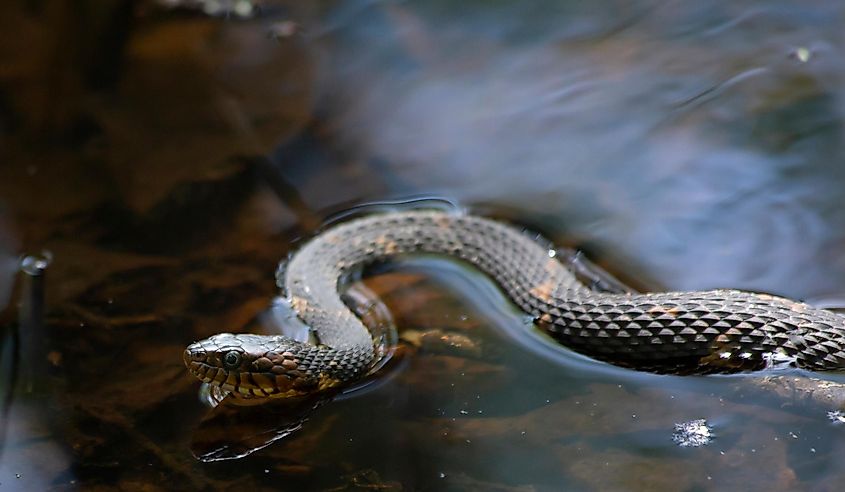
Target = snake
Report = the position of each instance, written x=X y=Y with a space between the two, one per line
x=689 y=332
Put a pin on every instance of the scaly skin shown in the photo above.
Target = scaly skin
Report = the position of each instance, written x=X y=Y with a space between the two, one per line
x=715 y=331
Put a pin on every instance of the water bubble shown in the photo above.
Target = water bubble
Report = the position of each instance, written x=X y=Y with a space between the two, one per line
x=212 y=7
x=36 y=264
x=692 y=434
x=442 y=475
x=243 y=8
x=552 y=253
x=283 y=29
x=802 y=54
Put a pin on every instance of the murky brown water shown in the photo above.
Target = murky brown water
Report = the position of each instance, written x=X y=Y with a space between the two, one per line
x=167 y=159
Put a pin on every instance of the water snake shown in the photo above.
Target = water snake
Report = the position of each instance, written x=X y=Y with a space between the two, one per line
x=715 y=331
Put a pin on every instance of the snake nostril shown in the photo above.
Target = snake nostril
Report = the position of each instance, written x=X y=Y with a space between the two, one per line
x=186 y=357
x=193 y=354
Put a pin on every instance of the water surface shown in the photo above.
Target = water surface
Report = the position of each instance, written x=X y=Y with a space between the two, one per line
x=167 y=157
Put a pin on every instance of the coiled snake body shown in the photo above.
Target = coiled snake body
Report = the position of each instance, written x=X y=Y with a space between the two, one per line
x=673 y=332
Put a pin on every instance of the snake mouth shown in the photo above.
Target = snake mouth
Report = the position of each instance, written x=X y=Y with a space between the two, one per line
x=248 y=367
x=241 y=383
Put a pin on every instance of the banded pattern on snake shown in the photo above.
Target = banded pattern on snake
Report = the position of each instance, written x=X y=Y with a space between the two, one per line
x=715 y=331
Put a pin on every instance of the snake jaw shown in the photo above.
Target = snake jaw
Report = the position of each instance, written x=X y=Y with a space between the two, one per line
x=251 y=366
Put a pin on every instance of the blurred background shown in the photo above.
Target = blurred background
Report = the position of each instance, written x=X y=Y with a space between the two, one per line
x=162 y=156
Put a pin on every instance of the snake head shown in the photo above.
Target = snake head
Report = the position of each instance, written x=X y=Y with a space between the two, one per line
x=252 y=365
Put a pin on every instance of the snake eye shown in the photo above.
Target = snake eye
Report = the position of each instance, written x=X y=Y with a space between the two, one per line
x=232 y=360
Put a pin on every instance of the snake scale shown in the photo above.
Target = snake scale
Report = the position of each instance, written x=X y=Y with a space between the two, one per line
x=716 y=331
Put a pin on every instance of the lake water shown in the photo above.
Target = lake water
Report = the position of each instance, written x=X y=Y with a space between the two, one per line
x=160 y=158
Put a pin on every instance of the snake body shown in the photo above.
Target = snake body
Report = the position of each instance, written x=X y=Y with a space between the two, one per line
x=714 y=331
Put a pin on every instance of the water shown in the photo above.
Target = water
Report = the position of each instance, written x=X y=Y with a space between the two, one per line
x=168 y=159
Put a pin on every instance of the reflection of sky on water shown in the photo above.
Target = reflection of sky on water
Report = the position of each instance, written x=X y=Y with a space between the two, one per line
x=691 y=145
x=694 y=143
